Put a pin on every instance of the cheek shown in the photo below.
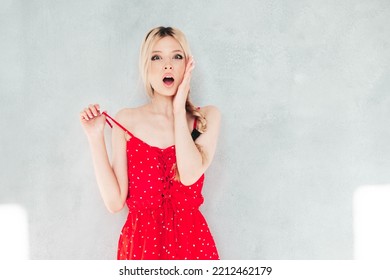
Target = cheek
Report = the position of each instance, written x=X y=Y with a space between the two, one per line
x=180 y=68
x=179 y=64
x=153 y=72
x=153 y=81
x=154 y=68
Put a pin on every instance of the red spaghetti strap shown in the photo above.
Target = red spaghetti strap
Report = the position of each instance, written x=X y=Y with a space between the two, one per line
x=196 y=120
x=118 y=124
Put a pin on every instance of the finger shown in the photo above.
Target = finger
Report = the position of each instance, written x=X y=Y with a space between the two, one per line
x=97 y=106
x=190 y=64
x=94 y=110
x=188 y=74
x=84 y=116
x=89 y=112
x=189 y=69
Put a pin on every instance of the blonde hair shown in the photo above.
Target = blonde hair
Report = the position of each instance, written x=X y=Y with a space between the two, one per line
x=144 y=64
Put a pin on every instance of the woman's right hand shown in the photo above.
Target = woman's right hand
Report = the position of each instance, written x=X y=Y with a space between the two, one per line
x=93 y=121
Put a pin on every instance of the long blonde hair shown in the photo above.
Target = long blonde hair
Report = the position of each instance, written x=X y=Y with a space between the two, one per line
x=144 y=64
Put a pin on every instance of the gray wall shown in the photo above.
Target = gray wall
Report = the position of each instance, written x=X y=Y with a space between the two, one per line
x=303 y=87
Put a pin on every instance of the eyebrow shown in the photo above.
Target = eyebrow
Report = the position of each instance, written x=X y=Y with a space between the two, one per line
x=175 y=51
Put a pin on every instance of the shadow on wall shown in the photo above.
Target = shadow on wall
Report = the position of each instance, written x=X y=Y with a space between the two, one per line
x=14 y=239
x=372 y=222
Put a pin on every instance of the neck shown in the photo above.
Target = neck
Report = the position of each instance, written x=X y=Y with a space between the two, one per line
x=162 y=105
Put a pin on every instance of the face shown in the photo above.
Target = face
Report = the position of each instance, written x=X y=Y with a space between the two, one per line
x=167 y=66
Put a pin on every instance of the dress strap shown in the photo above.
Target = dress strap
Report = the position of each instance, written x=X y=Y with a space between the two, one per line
x=195 y=132
x=118 y=124
x=196 y=120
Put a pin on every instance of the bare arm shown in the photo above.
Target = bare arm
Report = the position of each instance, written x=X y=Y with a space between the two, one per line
x=112 y=180
x=190 y=161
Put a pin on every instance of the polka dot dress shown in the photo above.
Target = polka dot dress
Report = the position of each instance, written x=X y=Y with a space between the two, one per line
x=164 y=221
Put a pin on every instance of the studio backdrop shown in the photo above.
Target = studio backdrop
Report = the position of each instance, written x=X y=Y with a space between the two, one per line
x=304 y=92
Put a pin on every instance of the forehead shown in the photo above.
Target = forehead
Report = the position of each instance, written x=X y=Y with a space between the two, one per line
x=167 y=44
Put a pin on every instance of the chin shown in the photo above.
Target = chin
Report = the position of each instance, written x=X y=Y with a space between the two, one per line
x=167 y=92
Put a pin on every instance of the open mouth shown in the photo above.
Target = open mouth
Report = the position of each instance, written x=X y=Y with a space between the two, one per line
x=168 y=81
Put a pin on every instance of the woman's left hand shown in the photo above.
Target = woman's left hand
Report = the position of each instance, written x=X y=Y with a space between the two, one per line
x=180 y=99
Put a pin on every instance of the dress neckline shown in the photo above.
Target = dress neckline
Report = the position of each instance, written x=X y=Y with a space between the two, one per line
x=150 y=146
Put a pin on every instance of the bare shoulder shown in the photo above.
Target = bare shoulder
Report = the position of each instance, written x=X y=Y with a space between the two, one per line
x=124 y=114
x=211 y=113
x=128 y=116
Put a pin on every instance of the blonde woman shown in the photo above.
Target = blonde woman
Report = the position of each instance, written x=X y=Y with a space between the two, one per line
x=160 y=152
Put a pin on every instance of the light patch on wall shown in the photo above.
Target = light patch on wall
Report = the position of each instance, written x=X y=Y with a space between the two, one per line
x=372 y=222
x=13 y=232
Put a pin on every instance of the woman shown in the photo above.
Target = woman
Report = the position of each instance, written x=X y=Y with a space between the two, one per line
x=160 y=152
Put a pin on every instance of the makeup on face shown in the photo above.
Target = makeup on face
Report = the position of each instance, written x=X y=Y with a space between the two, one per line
x=167 y=63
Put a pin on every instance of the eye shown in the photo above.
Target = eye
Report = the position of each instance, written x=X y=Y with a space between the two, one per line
x=178 y=56
x=156 y=57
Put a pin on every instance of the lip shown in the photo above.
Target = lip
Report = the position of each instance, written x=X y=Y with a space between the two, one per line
x=170 y=75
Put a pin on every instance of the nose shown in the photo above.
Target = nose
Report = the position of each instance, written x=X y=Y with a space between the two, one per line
x=168 y=65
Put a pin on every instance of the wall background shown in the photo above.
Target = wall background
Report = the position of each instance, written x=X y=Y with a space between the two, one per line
x=303 y=87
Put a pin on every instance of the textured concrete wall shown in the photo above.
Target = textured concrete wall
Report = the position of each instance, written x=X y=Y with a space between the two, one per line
x=303 y=87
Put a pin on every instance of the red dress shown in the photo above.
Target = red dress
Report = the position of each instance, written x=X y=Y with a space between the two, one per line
x=164 y=221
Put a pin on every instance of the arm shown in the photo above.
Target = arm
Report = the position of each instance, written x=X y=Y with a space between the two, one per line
x=112 y=180
x=190 y=162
